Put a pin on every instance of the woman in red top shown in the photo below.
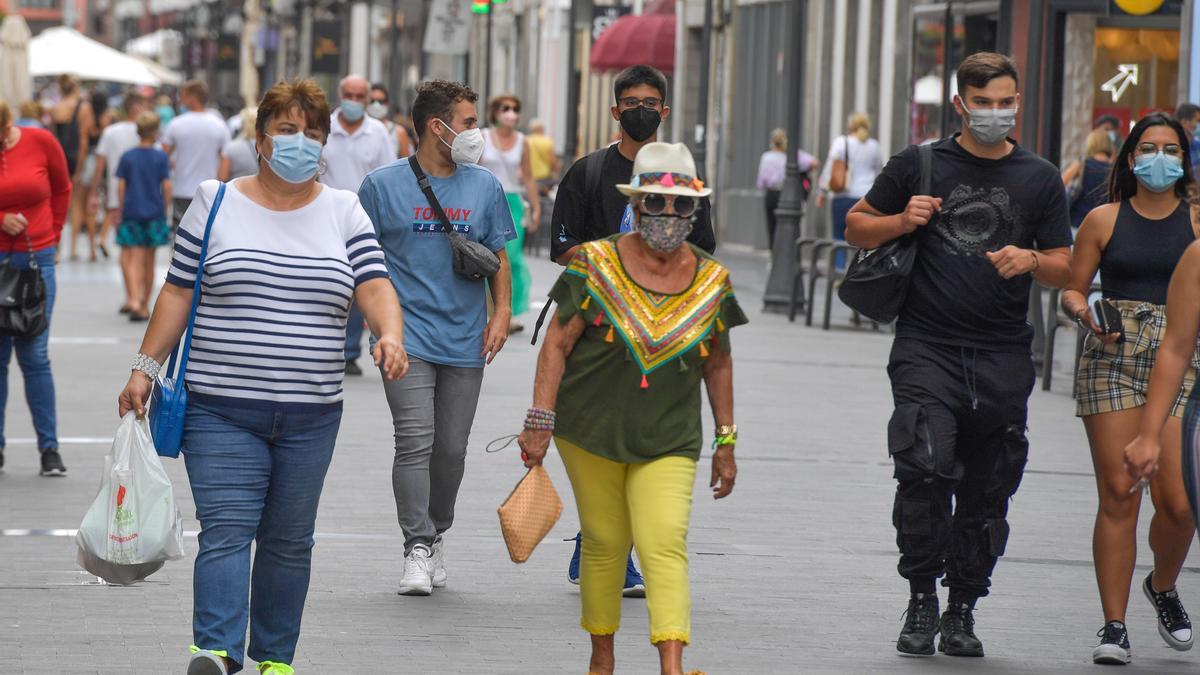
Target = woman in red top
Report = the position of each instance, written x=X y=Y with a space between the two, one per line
x=35 y=191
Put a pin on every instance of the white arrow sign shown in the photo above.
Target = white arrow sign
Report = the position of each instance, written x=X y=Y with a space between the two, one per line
x=1127 y=74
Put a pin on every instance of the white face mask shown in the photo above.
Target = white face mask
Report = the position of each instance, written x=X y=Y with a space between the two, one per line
x=467 y=147
x=991 y=125
x=377 y=109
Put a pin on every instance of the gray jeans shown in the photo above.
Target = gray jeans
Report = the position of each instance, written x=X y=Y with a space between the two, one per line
x=433 y=407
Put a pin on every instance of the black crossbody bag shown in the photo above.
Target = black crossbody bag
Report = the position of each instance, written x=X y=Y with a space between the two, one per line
x=876 y=281
x=470 y=258
x=22 y=297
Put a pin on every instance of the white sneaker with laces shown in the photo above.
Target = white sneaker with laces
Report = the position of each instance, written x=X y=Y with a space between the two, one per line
x=438 y=562
x=418 y=578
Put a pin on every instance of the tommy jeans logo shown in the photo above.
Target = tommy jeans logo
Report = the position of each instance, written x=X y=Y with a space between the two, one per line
x=425 y=220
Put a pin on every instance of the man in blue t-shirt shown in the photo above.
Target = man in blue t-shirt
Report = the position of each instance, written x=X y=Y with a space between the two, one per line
x=448 y=335
x=144 y=190
x=1188 y=116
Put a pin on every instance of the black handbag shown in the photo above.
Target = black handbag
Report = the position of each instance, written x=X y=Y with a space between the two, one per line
x=876 y=282
x=22 y=298
x=470 y=258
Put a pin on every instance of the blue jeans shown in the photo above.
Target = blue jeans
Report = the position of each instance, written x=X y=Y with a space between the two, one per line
x=33 y=355
x=354 y=333
x=256 y=475
x=841 y=207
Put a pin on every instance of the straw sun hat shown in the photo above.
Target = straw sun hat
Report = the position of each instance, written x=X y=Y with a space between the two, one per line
x=667 y=169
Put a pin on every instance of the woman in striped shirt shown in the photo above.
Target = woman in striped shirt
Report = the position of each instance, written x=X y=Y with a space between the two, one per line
x=286 y=255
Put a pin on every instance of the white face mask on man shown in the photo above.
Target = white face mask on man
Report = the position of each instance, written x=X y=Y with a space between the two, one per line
x=467 y=147
x=990 y=125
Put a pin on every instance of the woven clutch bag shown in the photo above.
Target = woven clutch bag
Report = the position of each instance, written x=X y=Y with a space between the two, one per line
x=529 y=513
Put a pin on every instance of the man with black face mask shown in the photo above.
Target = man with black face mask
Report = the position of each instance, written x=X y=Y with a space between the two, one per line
x=588 y=205
x=994 y=222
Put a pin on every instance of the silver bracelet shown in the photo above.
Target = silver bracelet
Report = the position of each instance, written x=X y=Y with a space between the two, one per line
x=146 y=365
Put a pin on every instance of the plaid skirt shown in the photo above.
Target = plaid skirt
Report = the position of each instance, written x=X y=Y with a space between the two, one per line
x=1117 y=376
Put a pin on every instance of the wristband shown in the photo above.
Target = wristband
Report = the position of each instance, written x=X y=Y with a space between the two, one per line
x=540 y=419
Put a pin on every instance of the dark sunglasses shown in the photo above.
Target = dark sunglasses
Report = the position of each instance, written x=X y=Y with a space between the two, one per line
x=654 y=204
x=510 y=108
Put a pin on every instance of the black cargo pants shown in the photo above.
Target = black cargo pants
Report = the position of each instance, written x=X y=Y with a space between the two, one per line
x=957 y=439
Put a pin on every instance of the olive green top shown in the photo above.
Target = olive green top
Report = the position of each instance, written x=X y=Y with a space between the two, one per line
x=631 y=388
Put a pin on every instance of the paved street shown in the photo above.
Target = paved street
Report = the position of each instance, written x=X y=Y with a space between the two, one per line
x=794 y=573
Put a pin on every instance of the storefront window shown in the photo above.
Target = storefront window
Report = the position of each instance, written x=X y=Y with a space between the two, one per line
x=1135 y=72
x=931 y=115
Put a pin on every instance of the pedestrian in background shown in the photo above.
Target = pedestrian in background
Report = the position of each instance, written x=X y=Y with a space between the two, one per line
x=449 y=336
x=1188 y=116
x=1136 y=243
x=1093 y=177
x=506 y=153
x=850 y=170
x=588 y=205
x=960 y=366
x=30 y=115
x=90 y=220
x=194 y=141
x=165 y=109
x=263 y=416
x=543 y=160
x=357 y=146
x=772 y=172
x=35 y=193
x=380 y=108
x=144 y=192
x=117 y=139
x=625 y=412
x=239 y=158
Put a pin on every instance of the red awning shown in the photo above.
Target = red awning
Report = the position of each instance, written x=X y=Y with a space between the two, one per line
x=634 y=39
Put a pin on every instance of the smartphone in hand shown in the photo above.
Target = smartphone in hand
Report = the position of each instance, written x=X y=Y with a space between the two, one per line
x=1108 y=318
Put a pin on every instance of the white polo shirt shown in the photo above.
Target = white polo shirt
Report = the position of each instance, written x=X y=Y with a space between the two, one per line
x=350 y=157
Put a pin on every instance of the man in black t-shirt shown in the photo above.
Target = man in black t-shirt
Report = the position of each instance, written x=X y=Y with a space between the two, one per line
x=960 y=366
x=588 y=205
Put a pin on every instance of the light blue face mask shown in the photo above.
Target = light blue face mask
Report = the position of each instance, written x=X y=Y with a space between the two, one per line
x=353 y=110
x=1158 y=172
x=295 y=157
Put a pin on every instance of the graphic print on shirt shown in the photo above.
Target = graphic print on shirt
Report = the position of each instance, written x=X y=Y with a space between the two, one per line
x=425 y=220
x=976 y=220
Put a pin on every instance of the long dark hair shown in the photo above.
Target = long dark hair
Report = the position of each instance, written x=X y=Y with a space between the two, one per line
x=1122 y=184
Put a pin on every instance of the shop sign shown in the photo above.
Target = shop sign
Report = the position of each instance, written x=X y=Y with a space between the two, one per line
x=603 y=17
x=1145 y=7
x=326 y=52
x=449 y=27
x=1127 y=75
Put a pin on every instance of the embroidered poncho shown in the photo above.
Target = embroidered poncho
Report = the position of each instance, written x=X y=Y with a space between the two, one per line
x=631 y=389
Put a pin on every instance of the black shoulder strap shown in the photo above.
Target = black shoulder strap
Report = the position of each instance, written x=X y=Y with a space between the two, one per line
x=423 y=182
x=925 y=154
x=593 y=164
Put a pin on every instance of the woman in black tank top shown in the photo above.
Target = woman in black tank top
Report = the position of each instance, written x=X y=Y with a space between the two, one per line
x=1136 y=243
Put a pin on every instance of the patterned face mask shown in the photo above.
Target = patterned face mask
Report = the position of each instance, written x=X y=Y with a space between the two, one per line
x=664 y=233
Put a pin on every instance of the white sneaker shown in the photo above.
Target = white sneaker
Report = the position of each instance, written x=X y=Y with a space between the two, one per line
x=204 y=662
x=418 y=579
x=438 y=562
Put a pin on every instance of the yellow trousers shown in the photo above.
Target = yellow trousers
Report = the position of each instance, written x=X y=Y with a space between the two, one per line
x=647 y=505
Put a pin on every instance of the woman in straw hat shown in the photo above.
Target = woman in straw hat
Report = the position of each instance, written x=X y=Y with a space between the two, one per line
x=643 y=317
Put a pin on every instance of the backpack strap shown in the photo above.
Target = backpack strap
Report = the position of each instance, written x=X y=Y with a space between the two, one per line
x=925 y=155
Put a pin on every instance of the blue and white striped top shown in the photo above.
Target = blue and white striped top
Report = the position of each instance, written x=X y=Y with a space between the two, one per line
x=277 y=286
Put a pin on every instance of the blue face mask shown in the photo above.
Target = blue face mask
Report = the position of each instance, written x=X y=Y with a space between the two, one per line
x=295 y=157
x=1158 y=172
x=353 y=110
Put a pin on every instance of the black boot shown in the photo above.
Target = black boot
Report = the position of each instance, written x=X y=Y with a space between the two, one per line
x=920 y=625
x=958 y=632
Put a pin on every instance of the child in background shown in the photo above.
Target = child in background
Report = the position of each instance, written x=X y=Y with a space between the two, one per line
x=144 y=188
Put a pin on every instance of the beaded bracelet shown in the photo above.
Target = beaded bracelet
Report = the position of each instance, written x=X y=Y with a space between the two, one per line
x=146 y=365
x=731 y=439
x=540 y=419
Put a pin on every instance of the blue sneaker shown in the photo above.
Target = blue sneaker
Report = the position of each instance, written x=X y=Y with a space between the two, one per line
x=635 y=586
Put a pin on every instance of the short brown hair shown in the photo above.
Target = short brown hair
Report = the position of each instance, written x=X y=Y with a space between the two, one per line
x=147 y=125
x=300 y=93
x=30 y=109
x=982 y=67
x=196 y=89
x=498 y=101
x=5 y=117
x=436 y=99
x=131 y=99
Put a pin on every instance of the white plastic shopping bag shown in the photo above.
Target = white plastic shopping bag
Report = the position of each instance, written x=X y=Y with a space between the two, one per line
x=133 y=526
